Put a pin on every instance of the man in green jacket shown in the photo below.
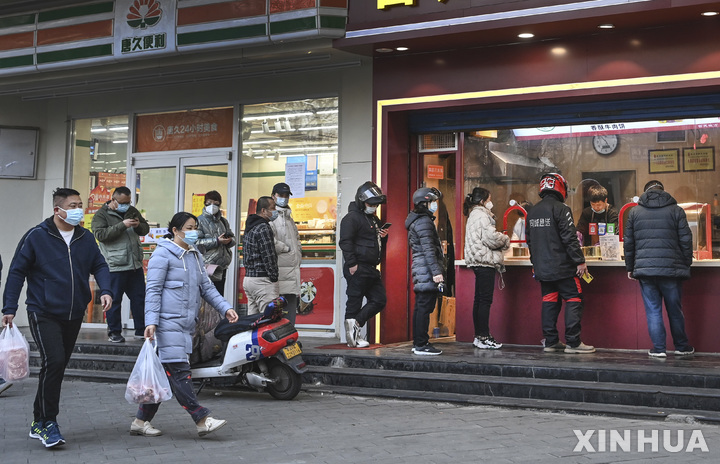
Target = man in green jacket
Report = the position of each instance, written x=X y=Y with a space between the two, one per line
x=118 y=227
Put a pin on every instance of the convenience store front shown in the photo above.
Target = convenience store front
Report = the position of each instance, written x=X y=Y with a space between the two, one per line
x=615 y=109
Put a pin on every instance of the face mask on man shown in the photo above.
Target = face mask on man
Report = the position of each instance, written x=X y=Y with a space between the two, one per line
x=123 y=207
x=274 y=215
x=370 y=209
x=191 y=237
x=74 y=216
x=433 y=206
x=212 y=209
x=281 y=202
x=598 y=212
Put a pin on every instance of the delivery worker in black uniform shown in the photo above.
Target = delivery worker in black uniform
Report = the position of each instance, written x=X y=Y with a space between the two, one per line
x=361 y=241
x=557 y=261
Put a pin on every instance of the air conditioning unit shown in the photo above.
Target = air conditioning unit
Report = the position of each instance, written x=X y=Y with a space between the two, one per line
x=437 y=142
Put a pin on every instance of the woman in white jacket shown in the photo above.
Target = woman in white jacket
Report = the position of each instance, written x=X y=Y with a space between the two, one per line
x=484 y=247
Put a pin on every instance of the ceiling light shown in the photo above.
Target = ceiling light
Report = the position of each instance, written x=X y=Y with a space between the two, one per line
x=526 y=35
x=316 y=128
x=710 y=13
x=383 y=50
x=119 y=141
x=402 y=49
x=119 y=128
x=558 y=51
x=606 y=26
x=98 y=129
x=335 y=111
x=263 y=141
x=279 y=115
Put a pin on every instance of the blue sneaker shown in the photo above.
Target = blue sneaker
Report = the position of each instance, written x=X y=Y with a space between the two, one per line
x=51 y=436
x=36 y=430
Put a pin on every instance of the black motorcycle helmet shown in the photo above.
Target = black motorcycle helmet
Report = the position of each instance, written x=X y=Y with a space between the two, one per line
x=426 y=195
x=370 y=193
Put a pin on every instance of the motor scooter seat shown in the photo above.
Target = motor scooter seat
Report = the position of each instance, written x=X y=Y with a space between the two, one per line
x=225 y=330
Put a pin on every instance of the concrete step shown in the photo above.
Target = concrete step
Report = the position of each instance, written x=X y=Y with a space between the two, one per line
x=632 y=412
x=90 y=376
x=94 y=362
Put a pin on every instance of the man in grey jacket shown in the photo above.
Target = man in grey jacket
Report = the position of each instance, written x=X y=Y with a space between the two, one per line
x=289 y=251
x=658 y=252
x=118 y=227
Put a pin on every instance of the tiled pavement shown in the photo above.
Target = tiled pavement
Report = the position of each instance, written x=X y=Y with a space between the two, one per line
x=317 y=428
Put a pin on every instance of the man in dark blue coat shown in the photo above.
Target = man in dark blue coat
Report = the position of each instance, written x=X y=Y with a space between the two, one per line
x=658 y=253
x=56 y=258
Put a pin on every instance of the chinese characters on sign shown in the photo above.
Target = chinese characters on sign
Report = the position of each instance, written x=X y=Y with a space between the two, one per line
x=141 y=44
x=184 y=130
x=384 y=4
x=664 y=161
x=435 y=171
x=699 y=159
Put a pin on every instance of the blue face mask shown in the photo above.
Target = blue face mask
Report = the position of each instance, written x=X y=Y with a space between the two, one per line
x=274 y=215
x=191 y=236
x=123 y=207
x=74 y=216
x=433 y=206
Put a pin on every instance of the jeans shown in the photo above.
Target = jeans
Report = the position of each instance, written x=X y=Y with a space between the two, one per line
x=365 y=283
x=424 y=305
x=181 y=384
x=553 y=294
x=654 y=291
x=131 y=283
x=484 y=288
x=55 y=339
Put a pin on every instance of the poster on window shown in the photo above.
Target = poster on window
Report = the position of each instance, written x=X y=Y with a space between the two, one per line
x=184 y=130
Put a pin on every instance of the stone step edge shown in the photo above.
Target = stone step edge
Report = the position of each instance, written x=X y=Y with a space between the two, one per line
x=90 y=376
x=523 y=381
x=308 y=355
x=600 y=409
x=94 y=357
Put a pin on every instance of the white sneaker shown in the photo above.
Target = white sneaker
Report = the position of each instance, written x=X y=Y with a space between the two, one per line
x=350 y=331
x=362 y=343
x=210 y=426
x=487 y=343
x=146 y=429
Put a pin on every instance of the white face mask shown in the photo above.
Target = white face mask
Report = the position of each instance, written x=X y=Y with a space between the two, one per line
x=598 y=212
x=370 y=209
x=281 y=202
x=489 y=204
x=212 y=209
x=433 y=206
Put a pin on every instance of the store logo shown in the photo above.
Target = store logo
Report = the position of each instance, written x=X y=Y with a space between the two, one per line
x=159 y=133
x=672 y=441
x=144 y=13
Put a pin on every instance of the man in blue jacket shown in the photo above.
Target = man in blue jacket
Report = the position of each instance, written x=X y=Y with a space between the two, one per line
x=658 y=252
x=56 y=258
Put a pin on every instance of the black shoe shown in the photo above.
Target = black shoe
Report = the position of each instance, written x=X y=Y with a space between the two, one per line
x=426 y=350
x=116 y=338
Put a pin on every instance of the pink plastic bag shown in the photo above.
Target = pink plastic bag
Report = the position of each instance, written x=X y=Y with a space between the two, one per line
x=148 y=382
x=14 y=354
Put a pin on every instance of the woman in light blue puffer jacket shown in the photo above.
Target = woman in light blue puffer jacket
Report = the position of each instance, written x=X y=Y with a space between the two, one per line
x=176 y=285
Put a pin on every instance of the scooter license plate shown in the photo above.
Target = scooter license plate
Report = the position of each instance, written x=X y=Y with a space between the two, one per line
x=292 y=351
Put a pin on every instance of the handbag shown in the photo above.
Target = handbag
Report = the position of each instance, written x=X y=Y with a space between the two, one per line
x=14 y=354
x=148 y=382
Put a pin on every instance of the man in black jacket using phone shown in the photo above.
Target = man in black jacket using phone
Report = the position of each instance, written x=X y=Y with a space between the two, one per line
x=361 y=241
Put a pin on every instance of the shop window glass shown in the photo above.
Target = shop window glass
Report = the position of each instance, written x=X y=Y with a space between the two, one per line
x=295 y=142
x=620 y=156
x=99 y=161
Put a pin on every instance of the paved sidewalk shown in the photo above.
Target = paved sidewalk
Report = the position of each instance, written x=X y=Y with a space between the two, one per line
x=316 y=428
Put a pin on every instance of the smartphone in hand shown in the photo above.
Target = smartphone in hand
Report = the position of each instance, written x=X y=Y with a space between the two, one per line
x=386 y=225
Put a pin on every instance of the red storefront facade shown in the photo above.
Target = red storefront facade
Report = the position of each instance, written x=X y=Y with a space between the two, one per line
x=466 y=71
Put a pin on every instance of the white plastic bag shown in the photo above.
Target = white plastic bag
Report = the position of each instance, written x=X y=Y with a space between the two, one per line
x=148 y=382
x=14 y=354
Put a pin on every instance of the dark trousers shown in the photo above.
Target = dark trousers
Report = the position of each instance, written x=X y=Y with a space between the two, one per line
x=293 y=302
x=132 y=284
x=553 y=294
x=484 y=288
x=181 y=384
x=424 y=305
x=655 y=290
x=55 y=339
x=220 y=284
x=365 y=283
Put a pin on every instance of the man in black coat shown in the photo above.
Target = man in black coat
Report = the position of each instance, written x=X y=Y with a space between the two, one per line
x=658 y=253
x=361 y=241
x=598 y=218
x=557 y=261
